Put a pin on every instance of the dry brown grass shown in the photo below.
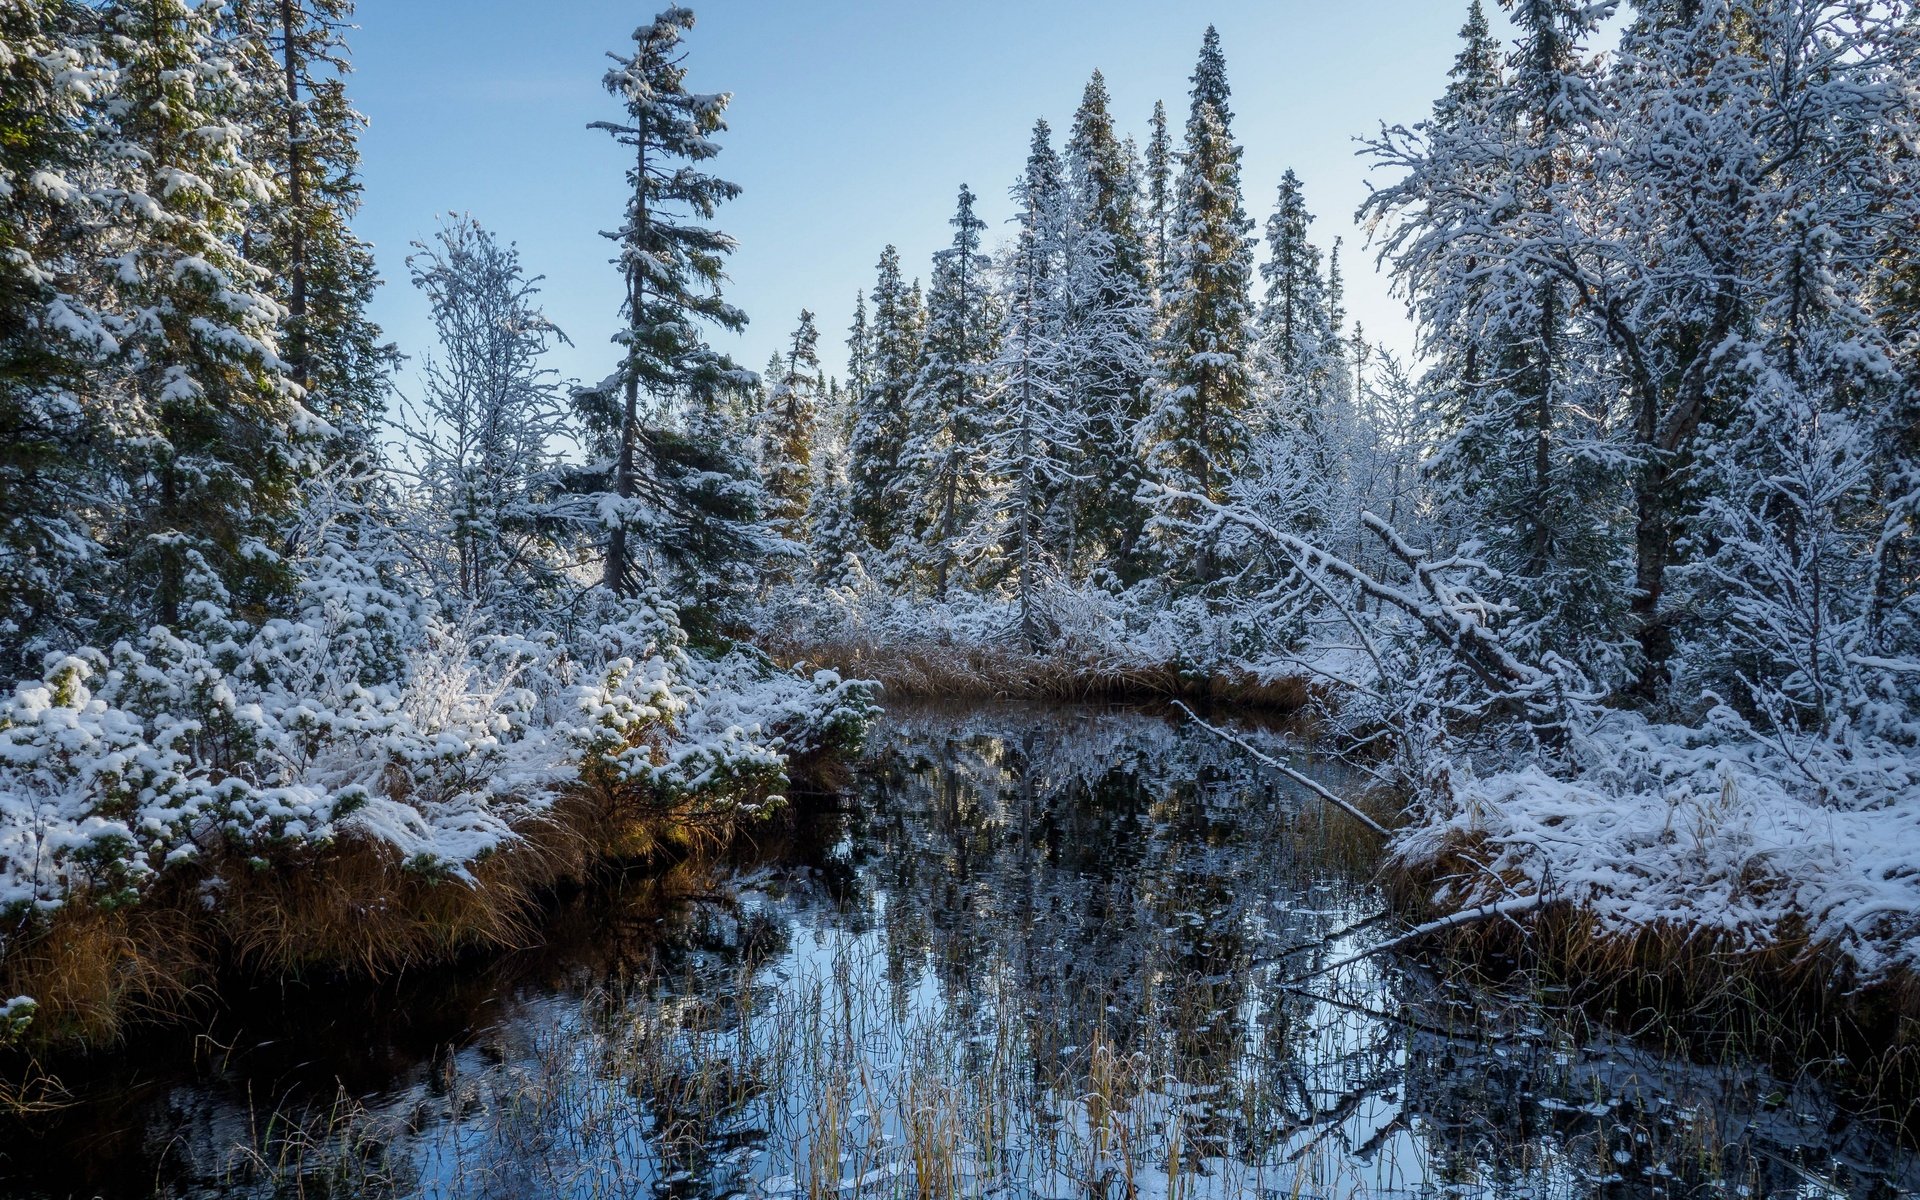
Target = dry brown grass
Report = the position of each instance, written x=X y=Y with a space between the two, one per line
x=90 y=970
x=1789 y=999
x=353 y=908
x=1006 y=672
x=357 y=908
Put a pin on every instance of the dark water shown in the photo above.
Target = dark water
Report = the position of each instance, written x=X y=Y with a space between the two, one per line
x=1054 y=952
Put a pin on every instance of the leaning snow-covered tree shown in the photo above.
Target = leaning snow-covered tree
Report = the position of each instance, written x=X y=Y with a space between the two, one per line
x=673 y=263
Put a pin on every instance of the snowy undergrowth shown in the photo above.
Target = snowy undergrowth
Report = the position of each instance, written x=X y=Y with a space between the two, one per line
x=1758 y=841
x=373 y=715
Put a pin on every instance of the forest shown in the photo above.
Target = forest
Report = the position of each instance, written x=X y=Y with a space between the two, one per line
x=1605 y=600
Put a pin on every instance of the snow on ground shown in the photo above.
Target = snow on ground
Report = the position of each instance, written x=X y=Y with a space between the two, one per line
x=1671 y=826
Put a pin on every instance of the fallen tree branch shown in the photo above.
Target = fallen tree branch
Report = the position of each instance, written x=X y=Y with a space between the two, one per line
x=1503 y=908
x=1284 y=769
x=1451 y=614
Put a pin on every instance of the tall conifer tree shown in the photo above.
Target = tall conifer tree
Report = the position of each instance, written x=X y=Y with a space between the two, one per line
x=1159 y=196
x=1111 y=385
x=55 y=477
x=1196 y=431
x=947 y=409
x=673 y=264
x=304 y=131
x=878 y=482
x=787 y=431
x=212 y=431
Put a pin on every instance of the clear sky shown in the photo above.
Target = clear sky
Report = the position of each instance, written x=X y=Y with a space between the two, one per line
x=852 y=125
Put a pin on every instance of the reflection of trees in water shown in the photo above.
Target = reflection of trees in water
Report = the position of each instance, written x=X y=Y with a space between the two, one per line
x=1134 y=883
x=1139 y=889
x=1502 y=1102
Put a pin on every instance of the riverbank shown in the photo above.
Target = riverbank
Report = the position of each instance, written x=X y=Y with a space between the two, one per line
x=1683 y=882
x=354 y=909
x=1673 y=948
x=171 y=813
x=1072 y=644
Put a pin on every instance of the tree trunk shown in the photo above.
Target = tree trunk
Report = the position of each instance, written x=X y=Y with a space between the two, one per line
x=619 y=575
x=1027 y=631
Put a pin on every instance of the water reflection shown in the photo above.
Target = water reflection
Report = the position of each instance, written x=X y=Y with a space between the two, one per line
x=1055 y=952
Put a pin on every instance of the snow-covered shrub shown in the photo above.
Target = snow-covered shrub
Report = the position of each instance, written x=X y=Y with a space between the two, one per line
x=372 y=716
x=1700 y=830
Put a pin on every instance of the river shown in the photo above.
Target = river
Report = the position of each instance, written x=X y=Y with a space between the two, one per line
x=1027 y=951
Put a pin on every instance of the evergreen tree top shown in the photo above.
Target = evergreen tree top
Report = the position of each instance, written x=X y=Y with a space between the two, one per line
x=672 y=260
x=1094 y=153
x=1159 y=155
x=1042 y=176
x=1475 y=74
x=1210 y=80
x=805 y=337
x=1547 y=60
x=967 y=224
x=1105 y=183
x=651 y=82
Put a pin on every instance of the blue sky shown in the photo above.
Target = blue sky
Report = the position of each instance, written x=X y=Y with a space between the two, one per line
x=852 y=125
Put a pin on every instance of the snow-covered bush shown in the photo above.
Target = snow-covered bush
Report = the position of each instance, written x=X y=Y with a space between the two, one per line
x=1694 y=830
x=372 y=716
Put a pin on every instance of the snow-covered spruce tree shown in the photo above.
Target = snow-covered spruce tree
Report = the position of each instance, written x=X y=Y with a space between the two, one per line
x=1298 y=341
x=673 y=264
x=833 y=539
x=481 y=437
x=207 y=425
x=1196 y=434
x=1035 y=433
x=1295 y=324
x=859 y=348
x=303 y=131
x=715 y=542
x=1486 y=229
x=1159 y=192
x=1336 y=349
x=878 y=477
x=947 y=413
x=787 y=427
x=1103 y=512
x=55 y=476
